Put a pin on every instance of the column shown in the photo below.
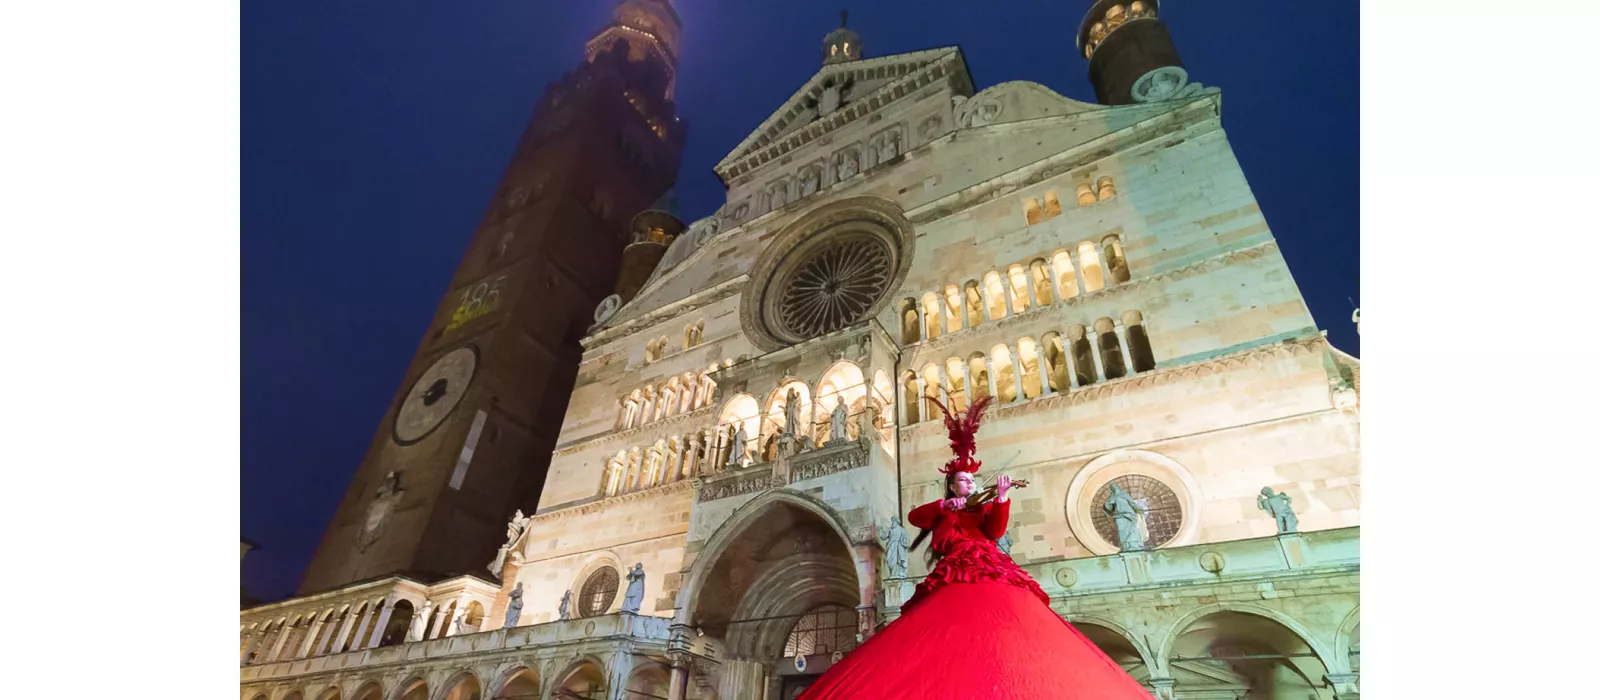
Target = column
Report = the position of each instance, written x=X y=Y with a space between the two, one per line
x=1016 y=372
x=339 y=638
x=994 y=386
x=1033 y=291
x=439 y=625
x=678 y=686
x=1127 y=357
x=355 y=640
x=1094 y=353
x=383 y=622
x=311 y=640
x=1161 y=688
x=1077 y=271
x=866 y=622
x=1072 y=364
x=277 y=643
x=250 y=643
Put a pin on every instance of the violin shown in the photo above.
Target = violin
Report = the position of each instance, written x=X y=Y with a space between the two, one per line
x=989 y=493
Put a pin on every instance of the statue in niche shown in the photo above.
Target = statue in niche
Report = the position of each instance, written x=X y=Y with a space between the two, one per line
x=780 y=194
x=791 y=412
x=566 y=605
x=514 y=607
x=1128 y=514
x=847 y=165
x=895 y=547
x=736 y=448
x=890 y=147
x=1278 y=506
x=809 y=183
x=837 y=421
x=634 y=597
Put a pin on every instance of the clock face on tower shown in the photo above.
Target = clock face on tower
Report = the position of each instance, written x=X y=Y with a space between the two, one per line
x=435 y=395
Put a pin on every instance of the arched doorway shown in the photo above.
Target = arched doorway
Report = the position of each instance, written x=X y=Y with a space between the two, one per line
x=1252 y=656
x=585 y=680
x=399 y=623
x=523 y=684
x=775 y=564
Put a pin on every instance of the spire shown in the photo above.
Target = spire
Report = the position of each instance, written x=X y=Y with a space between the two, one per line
x=841 y=44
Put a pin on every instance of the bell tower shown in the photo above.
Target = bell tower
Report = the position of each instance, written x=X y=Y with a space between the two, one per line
x=468 y=437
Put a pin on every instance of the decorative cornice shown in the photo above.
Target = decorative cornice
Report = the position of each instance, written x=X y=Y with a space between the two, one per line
x=1161 y=376
x=1232 y=257
x=584 y=443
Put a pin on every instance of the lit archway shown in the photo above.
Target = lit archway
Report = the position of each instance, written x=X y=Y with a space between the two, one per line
x=464 y=686
x=584 y=679
x=520 y=683
x=1253 y=653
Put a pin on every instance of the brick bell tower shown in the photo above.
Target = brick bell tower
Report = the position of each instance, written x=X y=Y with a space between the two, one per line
x=468 y=437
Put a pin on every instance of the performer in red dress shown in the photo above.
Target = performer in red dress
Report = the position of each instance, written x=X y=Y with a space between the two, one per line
x=978 y=626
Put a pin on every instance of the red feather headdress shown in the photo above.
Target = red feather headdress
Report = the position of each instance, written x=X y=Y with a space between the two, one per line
x=963 y=435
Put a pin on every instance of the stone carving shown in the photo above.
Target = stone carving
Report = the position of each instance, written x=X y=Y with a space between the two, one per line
x=514 y=531
x=829 y=465
x=780 y=195
x=419 y=624
x=514 y=607
x=1278 y=506
x=831 y=97
x=1128 y=514
x=566 y=605
x=980 y=112
x=383 y=503
x=607 y=308
x=896 y=548
x=847 y=164
x=635 y=593
x=889 y=147
x=791 y=412
x=837 y=421
x=736 y=449
x=809 y=182
x=930 y=127
x=733 y=487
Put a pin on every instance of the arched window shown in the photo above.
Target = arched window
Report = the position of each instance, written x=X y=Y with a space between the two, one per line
x=995 y=290
x=598 y=592
x=974 y=303
x=824 y=630
x=957 y=384
x=910 y=323
x=631 y=482
x=1031 y=210
x=1028 y=359
x=1052 y=204
x=930 y=314
x=1082 y=355
x=669 y=398
x=1040 y=276
x=654 y=465
x=1089 y=260
x=1019 y=288
x=1115 y=261
x=978 y=376
x=910 y=398
x=952 y=308
x=1110 y=349
x=1143 y=359
x=1055 y=361
x=932 y=389
x=1066 y=279
x=1106 y=189
x=1085 y=194
x=1005 y=374
x=615 y=468
x=739 y=411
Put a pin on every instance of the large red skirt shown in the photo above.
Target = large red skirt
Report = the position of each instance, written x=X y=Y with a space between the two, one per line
x=967 y=641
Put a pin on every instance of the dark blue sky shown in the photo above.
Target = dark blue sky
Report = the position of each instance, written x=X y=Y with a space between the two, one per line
x=374 y=133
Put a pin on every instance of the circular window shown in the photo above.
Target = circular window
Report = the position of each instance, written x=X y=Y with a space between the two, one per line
x=1163 y=519
x=831 y=270
x=598 y=592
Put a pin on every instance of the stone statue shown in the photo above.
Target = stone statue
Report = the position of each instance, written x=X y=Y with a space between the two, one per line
x=514 y=530
x=829 y=102
x=780 y=195
x=890 y=148
x=566 y=605
x=736 y=450
x=896 y=545
x=514 y=607
x=809 y=183
x=1278 y=506
x=791 y=412
x=635 y=594
x=836 y=423
x=847 y=165
x=1004 y=543
x=1128 y=514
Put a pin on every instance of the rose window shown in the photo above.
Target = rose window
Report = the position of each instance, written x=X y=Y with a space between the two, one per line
x=835 y=285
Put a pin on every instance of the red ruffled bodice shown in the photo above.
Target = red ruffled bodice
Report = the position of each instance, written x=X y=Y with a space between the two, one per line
x=966 y=541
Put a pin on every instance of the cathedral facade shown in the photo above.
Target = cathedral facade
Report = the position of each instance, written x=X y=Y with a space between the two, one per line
x=723 y=513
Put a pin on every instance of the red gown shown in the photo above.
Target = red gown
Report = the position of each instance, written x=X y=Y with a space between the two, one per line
x=977 y=627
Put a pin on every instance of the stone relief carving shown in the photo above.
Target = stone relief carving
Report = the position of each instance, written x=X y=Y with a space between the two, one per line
x=930 y=127
x=733 y=487
x=896 y=548
x=848 y=165
x=979 y=112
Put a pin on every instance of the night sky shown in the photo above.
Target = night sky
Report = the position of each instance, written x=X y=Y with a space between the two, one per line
x=374 y=133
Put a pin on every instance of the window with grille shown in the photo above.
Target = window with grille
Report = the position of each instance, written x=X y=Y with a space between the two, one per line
x=824 y=630
x=598 y=592
x=1163 y=519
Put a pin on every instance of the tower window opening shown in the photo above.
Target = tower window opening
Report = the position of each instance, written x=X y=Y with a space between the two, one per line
x=1052 y=204
x=1030 y=208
